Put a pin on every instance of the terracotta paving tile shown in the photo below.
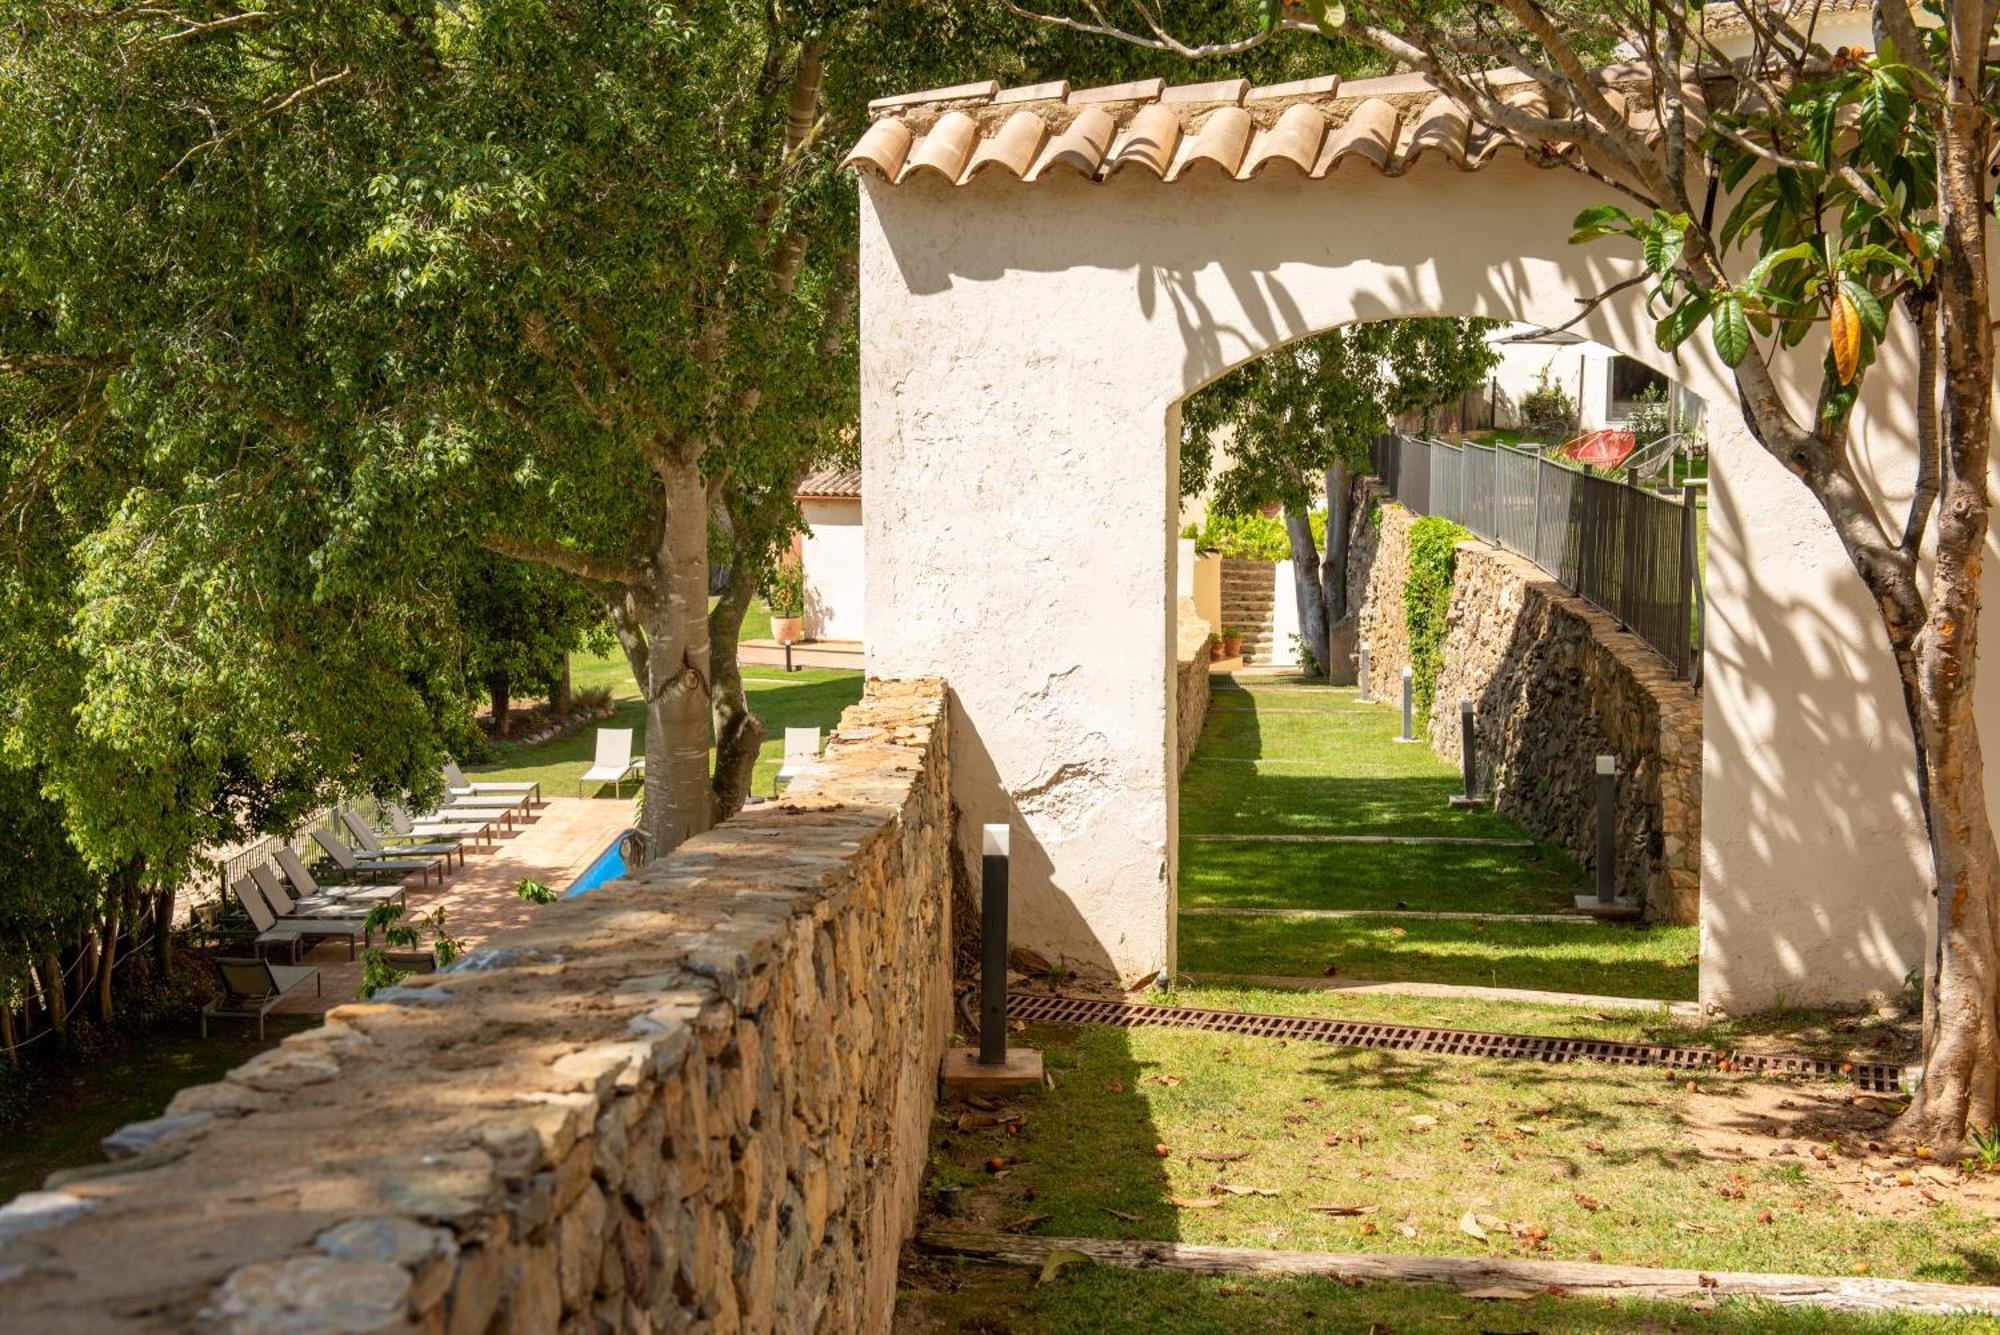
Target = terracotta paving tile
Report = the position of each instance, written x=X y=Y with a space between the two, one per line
x=565 y=837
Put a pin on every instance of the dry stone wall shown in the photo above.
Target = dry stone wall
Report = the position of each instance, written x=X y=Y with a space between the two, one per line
x=694 y=1100
x=1554 y=683
x=1190 y=680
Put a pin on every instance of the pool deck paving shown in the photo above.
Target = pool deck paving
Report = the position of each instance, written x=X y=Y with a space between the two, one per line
x=566 y=835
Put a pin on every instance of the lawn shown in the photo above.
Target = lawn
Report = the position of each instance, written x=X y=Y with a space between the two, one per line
x=811 y=698
x=939 y=1296
x=1282 y=756
x=1224 y=1139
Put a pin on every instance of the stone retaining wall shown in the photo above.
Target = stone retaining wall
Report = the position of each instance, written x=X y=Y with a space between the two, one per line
x=1191 y=679
x=698 y=1099
x=1554 y=683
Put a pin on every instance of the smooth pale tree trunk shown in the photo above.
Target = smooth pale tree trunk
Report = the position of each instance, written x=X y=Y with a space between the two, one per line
x=739 y=733
x=1339 y=519
x=1306 y=585
x=677 y=685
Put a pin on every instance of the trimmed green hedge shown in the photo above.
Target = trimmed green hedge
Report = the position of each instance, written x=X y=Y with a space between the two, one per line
x=1427 y=600
x=1250 y=537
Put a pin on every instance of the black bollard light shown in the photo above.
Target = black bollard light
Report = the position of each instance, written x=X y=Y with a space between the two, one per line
x=1468 y=755
x=994 y=842
x=992 y=1066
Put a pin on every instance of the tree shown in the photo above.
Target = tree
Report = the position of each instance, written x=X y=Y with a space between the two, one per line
x=1300 y=421
x=1840 y=228
x=521 y=623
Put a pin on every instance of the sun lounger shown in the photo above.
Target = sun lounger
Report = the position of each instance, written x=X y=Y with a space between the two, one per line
x=801 y=749
x=308 y=886
x=290 y=931
x=354 y=864
x=346 y=901
x=458 y=785
x=370 y=843
x=471 y=826
x=614 y=763
x=251 y=987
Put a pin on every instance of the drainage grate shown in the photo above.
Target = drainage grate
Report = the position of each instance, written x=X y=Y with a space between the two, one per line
x=1875 y=1077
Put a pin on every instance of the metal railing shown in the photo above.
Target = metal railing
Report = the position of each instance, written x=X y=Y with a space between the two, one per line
x=1624 y=549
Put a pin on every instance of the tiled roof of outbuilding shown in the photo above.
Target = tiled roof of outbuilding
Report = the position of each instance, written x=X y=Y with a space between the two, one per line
x=831 y=484
x=1730 y=18
x=1227 y=128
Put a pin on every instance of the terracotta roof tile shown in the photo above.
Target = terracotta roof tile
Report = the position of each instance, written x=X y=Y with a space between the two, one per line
x=1223 y=127
x=833 y=484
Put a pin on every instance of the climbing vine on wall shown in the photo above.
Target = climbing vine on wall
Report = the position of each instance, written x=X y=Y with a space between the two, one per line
x=1427 y=600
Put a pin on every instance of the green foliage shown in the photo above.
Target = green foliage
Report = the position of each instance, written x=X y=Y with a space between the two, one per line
x=1841 y=230
x=519 y=621
x=1651 y=416
x=590 y=699
x=1427 y=599
x=785 y=589
x=531 y=891
x=1248 y=537
x=1548 y=401
x=402 y=932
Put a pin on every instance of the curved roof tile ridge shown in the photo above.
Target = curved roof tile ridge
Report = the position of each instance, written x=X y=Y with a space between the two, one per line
x=1225 y=125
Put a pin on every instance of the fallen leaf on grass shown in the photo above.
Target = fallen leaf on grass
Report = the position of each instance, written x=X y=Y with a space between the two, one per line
x=1469 y=1226
x=1114 y=1087
x=1023 y=1224
x=1120 y=1214
x=1236 y=1189
x=1590 y=1203
x=1193 y=1202
x=1226 y=1156
x=1168 y=1080
x=1408 y=1228
x=1502 y=1295
x=1067 y=1256
x=1594 y=1146
x=1687 y=1227
x=1343 y=1209
x=1399 y=931
x=1423 y=1121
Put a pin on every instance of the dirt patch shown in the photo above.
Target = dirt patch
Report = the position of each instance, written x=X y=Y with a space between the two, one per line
x=1839 y=1139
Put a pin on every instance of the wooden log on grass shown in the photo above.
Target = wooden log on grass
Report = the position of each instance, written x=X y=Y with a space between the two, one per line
x=1489 y=1276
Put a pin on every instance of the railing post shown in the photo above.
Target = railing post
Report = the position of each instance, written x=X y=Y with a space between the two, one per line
x=1690 y=563
x=1536 y=554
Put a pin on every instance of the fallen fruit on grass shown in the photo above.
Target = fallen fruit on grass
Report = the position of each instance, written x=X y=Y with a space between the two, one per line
x=1764 y=1216
x=1368 y=1230
x=1114 y=1087
x=995 y=1164
x=1161 y=1151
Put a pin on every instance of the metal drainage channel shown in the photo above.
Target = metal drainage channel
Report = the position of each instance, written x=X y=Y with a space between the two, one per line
x=1039 y=1008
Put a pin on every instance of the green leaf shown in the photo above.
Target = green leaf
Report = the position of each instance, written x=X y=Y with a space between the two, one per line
x=1603 y=220
x=1730 y=330
x=1326 y=17
x=1804 y=250
x=1682 y=321
x=1268 y=13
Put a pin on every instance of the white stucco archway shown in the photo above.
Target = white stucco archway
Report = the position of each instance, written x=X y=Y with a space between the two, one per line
x=1025 y=346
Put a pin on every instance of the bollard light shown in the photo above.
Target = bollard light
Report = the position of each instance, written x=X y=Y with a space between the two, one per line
x=1467 y=750
x=1409 y=705
x=994 y=841
x=1607 y=829
x=1362 y=675
x=991 y=1067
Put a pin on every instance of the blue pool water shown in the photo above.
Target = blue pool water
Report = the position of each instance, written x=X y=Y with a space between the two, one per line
x=609 y=866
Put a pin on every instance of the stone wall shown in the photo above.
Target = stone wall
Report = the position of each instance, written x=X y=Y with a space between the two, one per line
x=1554 y=683
x=698 y=1099
x=1191 y=634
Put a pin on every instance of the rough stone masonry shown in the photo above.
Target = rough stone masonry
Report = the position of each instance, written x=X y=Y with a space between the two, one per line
x=1554 y=683
x=694 y=1100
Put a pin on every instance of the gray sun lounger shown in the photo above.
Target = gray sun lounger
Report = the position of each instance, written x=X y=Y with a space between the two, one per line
x=251 y=987
x=354 y=864
x=291 y=931
x=456 y=783
x=371 y=845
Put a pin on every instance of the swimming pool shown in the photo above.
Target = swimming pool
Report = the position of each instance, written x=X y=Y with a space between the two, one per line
x=609 y=866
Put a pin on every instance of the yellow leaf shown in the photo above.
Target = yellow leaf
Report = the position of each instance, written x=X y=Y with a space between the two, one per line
x=1192 y=1202
x=1058 y=1259
x=1846 y=338
x=1470 y=1226
x=1504 y=1295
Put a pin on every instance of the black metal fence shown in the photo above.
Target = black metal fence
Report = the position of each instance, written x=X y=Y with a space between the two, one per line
x=1622 y=548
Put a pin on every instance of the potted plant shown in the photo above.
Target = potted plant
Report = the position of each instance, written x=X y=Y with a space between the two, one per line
x=1232 y=642
x=785 y=595
x=1214 y=647
x=401 y=953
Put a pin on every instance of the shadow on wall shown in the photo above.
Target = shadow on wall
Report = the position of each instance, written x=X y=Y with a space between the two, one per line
x=1813 y=684
x=1041 y=912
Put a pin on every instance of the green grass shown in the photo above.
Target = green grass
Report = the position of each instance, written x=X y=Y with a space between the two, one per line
x=805 y=699
x=71 y=1108
x=1325 y=763
x=1558 y=957
x=1423 y=877
x=1567 y=1163
x=944 y=1295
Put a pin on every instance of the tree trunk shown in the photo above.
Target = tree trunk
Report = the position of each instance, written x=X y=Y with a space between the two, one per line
x=163 y=932
x=1306 y=586
x=53 y=992
x=559 y=688
x=1961 y=1083
x=1339 y=520
x=500 y=693
x=739 y=733
x=107 y=963
x=678 y=691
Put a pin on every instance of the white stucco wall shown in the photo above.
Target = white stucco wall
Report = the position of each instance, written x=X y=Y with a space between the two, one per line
x=836 y=567
x=1024 y=350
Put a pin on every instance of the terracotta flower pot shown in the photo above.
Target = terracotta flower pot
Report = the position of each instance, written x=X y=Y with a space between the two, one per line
x=788 y=630
x=1232 y=646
